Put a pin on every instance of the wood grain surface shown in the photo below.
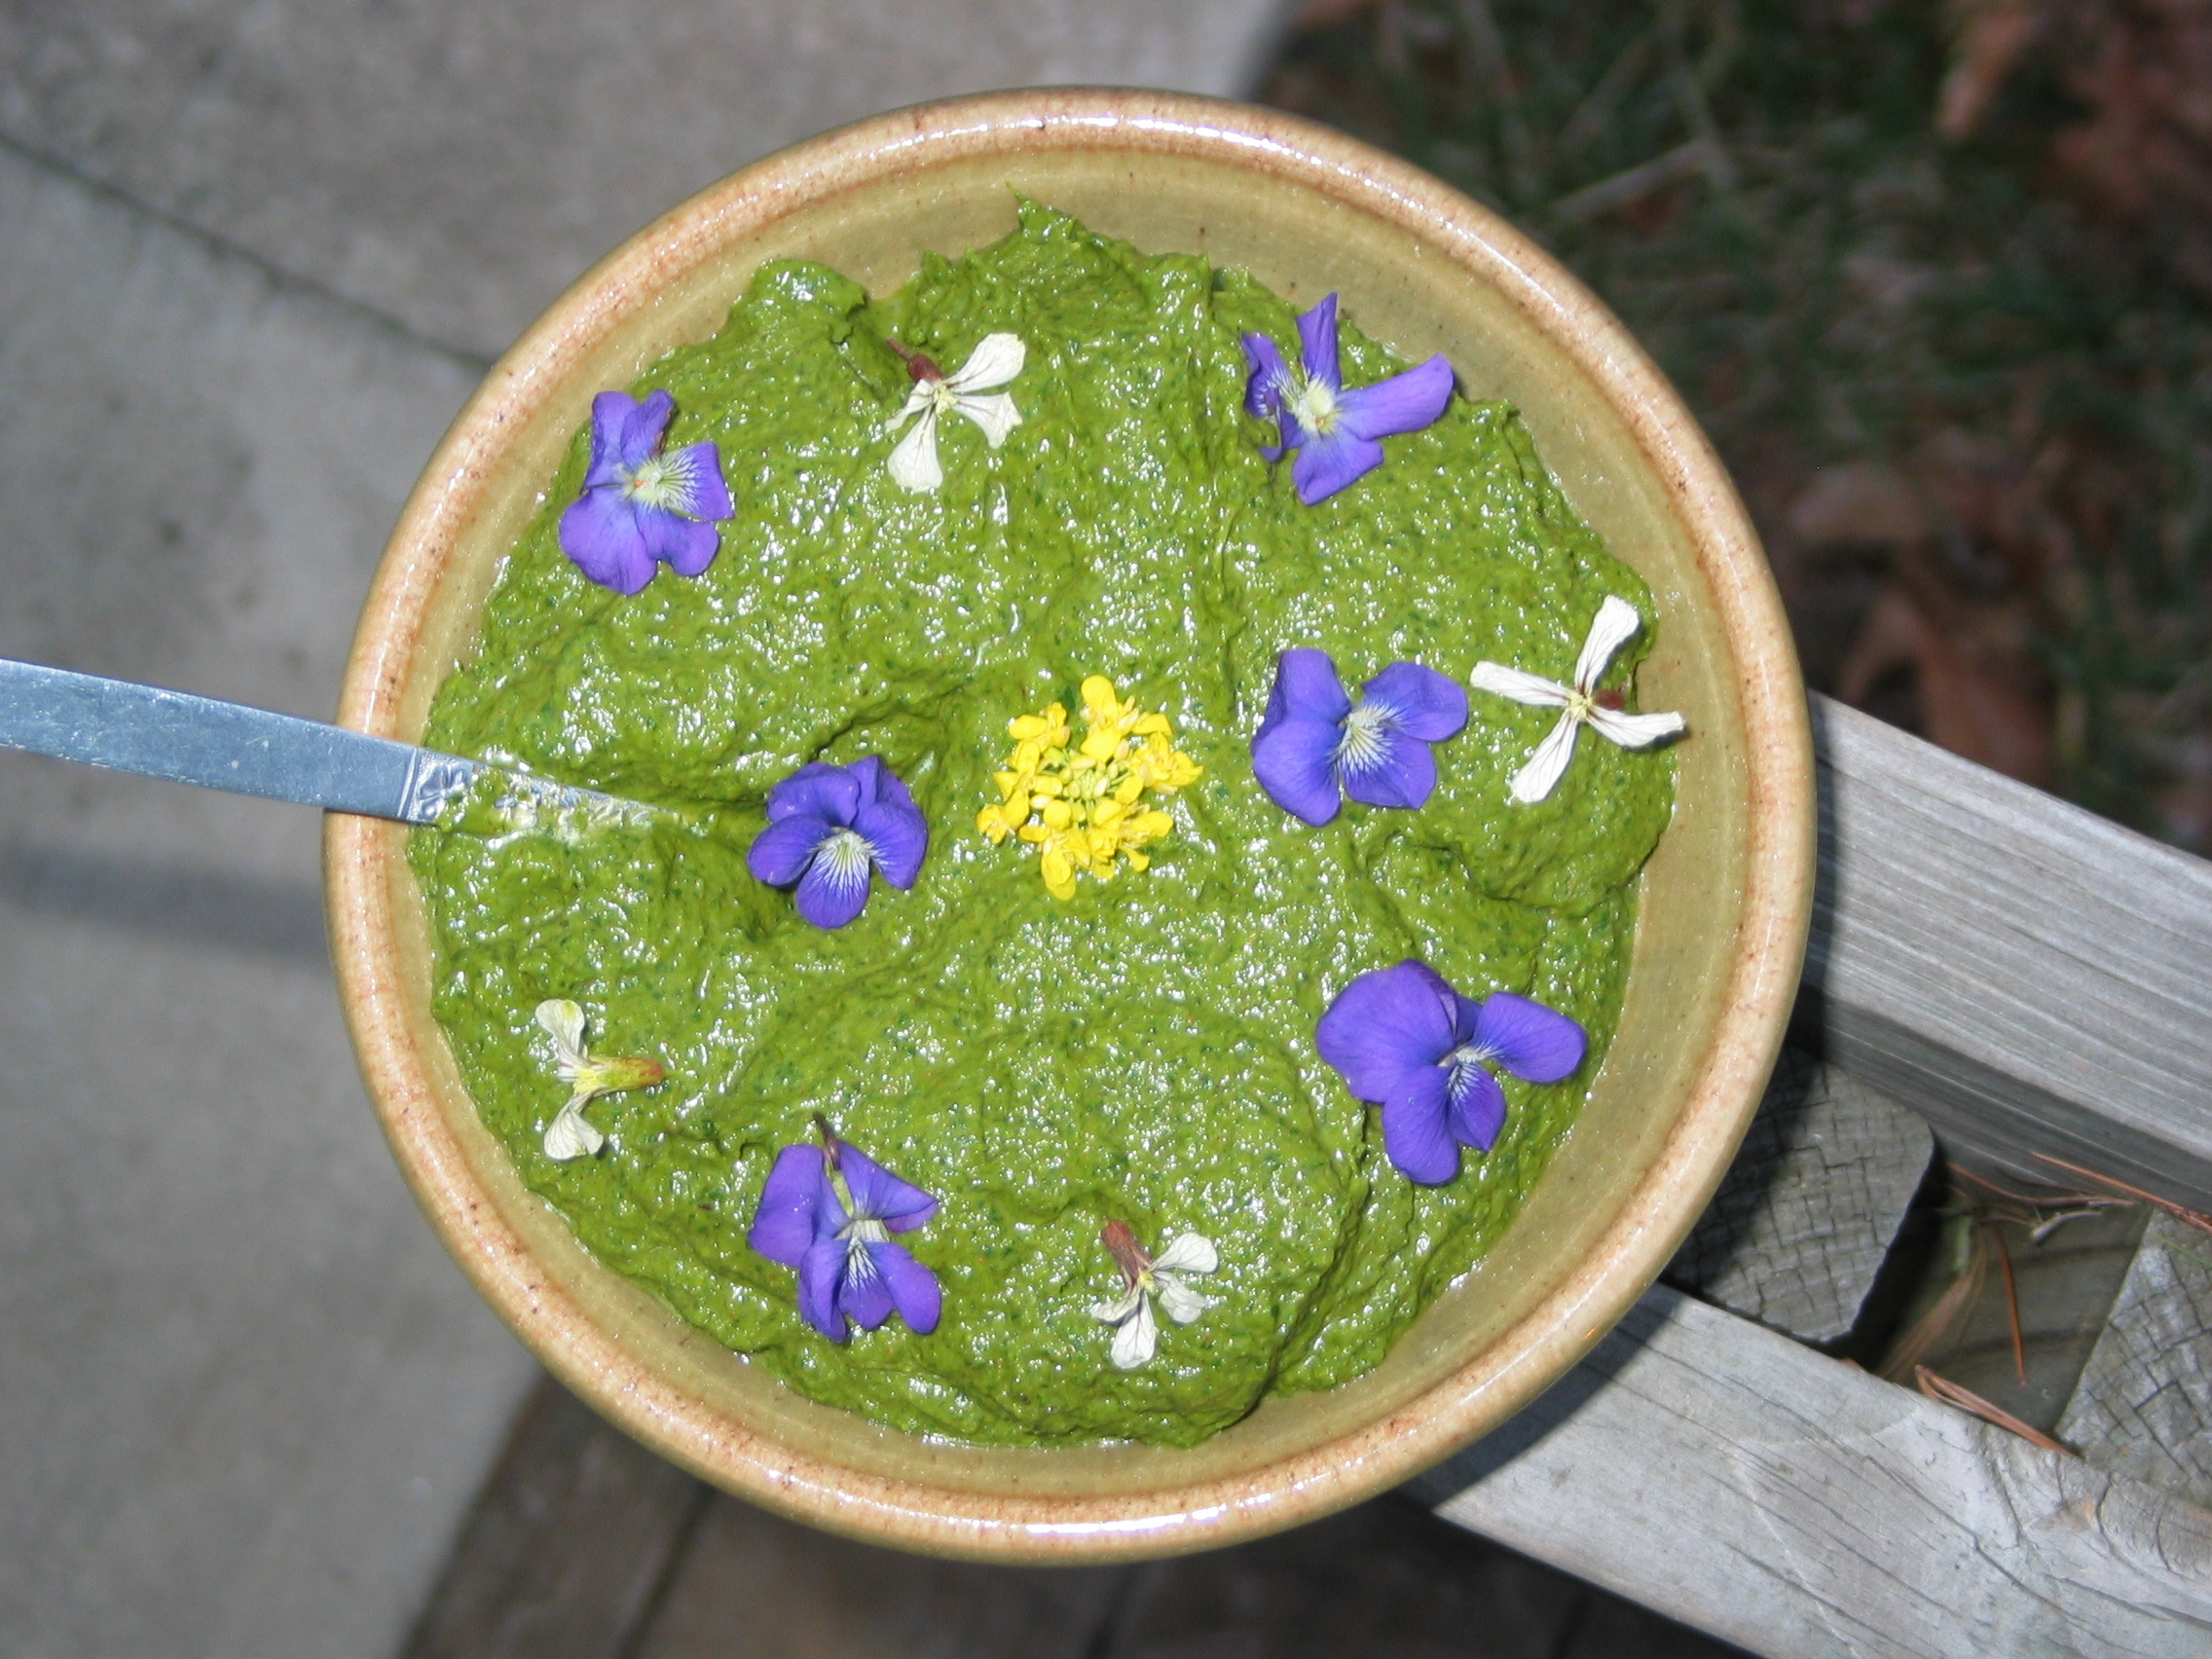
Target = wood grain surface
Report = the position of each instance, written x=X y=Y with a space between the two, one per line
x=1808 y=1210
x=2028 y=976
x=1751 y=1487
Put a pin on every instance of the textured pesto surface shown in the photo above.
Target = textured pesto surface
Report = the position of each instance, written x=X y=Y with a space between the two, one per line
x=1145 y=1051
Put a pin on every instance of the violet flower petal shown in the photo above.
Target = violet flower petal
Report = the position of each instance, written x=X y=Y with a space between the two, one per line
x=1296 y=763
x=1325 y=465
x=782 y=1226
x=1269 y=378
x=1406 y=402
x=1385 y=1028
x=1478 y=1107
x=781 y=852
x=1415 y=1133
x=623 y=432
x=889 y=820
x=862 y=1295
x=1306 y=687
x=1317 y=342
x=599 y=531
x=1530 y=1040
x=686 y=546
x=819 y=789
x=1422 y=701
x=832 y=891
x=707 y=495
x=1402 y=773
x=880 y=1195
x=821 y=1277
x=914 y=1289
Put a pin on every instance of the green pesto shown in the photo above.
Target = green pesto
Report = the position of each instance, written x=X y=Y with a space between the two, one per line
x=1144 y=1053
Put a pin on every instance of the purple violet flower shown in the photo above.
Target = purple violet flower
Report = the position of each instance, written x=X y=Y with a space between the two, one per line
x=830 y=829
x=640 y=506
x=1335 y=431
x=829 y=1211
x=1315 y=738
x=1404 y=1038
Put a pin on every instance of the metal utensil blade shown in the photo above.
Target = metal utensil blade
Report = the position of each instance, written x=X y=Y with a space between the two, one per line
x=229 y=746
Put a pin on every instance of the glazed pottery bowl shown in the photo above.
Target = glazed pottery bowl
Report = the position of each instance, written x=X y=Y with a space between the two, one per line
x=1725 y=903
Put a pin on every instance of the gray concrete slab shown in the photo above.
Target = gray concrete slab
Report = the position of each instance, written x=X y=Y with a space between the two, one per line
x=245 y=1397
x=457 y=163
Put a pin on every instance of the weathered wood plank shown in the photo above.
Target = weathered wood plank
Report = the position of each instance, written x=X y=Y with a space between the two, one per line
x=576 y=1531
x=2144 y=1404
x=1811 y=1205
x=1750 y=1487
x=2027 y=975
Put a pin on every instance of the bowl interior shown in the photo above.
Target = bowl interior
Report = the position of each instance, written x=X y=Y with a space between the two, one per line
x=1723 y=903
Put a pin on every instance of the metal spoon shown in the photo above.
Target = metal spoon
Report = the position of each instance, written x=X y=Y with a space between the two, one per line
x=229 y=746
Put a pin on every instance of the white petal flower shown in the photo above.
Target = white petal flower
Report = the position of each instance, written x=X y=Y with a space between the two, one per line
x=1137 y=1336
x=570 y=1135
x=997 y=359
x=1615 y=624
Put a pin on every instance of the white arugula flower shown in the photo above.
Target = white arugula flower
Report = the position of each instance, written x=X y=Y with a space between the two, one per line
x=1584 y=704
x=1136 y=1335
x=995 y=361
x=570 y=1135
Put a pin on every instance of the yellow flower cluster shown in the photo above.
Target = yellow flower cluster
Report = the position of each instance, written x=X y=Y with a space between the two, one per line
x=1083 y=804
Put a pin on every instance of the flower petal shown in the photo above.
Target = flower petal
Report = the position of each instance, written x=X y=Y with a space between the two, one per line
x=624 y=432
x=1404 y=403
x=1477 y=1108
x=1415 y=1130
x=1325 y=465
x=1269 y=383
x=913 y=464
x=599 y=531
x=780 y=854
x=1541 y=775
x=995 y=414
x=817 y=790
x=696 y=472
x=1635 y=731
x=1306 y=687
x=1188 y=1253
x=821 y=1277
x=1137 y=1338
x=1317 y=342
x=880 y=1195
x=861 y=1294
x=1296 y=763
x=570 y=1135
x=1384 y=1027
x=1422 y=701
x=1401 y=773
x=564 y=1022
x=1530 y=1040
x=897 y=838
x=915 y=1290
x=996 y=359
x=686 y=546
x=1615 y=625
x=1530 y=688
x=1115 y=1311
x=1177 y=1300
x=784 y=1222
x=832 y=891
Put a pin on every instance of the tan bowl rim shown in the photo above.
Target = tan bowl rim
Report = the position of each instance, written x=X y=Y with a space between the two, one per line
x=1776 y=903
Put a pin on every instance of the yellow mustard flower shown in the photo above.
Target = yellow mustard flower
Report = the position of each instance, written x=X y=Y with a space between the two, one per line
x=1082 y=805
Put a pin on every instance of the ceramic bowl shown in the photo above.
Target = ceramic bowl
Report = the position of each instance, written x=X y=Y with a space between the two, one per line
x=1724 y=905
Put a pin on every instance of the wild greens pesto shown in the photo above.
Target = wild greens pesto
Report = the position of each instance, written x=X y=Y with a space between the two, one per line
x=1142 y=1052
